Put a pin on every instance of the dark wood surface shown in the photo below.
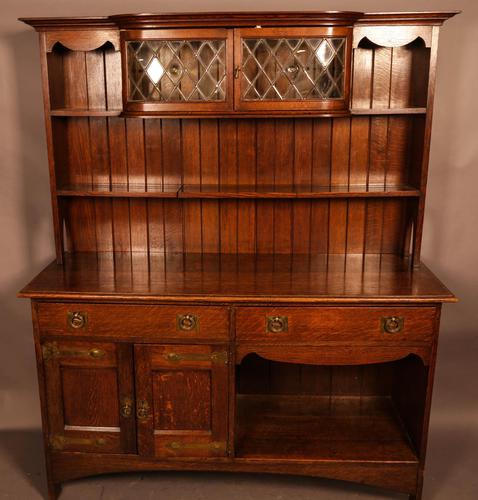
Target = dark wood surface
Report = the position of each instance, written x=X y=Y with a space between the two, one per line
x=220 y=277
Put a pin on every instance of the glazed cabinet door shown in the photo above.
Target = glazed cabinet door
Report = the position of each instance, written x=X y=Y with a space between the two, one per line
x=89 y=396
x=182 y=400
x=177 y=70
x=292 y=68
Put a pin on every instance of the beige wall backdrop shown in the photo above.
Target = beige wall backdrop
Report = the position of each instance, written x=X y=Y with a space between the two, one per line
x=451 y=222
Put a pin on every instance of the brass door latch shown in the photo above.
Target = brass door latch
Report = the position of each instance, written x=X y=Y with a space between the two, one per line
x=58 y=442
x=50 y=350
x=214 y=357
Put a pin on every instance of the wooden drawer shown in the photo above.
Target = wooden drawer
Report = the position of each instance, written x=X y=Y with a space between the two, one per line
x=309 y=324
x=176 y=322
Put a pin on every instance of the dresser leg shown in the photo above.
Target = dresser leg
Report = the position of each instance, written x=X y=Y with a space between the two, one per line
x=54 y=490
x=418 y=494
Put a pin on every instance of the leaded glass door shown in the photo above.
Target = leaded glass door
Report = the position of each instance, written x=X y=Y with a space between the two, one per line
x=178 y=70
x=292 y=68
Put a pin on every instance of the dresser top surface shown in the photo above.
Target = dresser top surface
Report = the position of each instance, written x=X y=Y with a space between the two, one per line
x=237 y=278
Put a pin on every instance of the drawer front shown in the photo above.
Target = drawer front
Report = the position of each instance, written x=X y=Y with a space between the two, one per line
x=308 y=324
x=176 y=322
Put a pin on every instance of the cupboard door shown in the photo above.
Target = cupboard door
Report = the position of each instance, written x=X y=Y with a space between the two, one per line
x=182 y=400
x=89 y=396
x=292 y=68
x=177 y=70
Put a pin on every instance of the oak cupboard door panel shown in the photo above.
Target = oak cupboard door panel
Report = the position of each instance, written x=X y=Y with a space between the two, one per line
x=90 y=396
x=182 y=400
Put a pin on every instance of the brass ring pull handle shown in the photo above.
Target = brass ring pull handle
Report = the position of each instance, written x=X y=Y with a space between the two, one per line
x=77 y=319
x=175 y=69
x=392 y=324
x=293 y=69
x=126 y=409
x=142 y=411
x=277 y=324
x=187 y=322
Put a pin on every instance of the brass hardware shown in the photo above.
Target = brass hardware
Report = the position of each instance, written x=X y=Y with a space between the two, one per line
x=142 y=411
x=277 y=324
x=392 y=324
x=126 y=409
x=77 y=319
x=237 y=70
x=293 y=69
x=214 y=445
x=175 y=69
x=214 y=357
x=59 y=442
x=187 y=322
x=50 y=351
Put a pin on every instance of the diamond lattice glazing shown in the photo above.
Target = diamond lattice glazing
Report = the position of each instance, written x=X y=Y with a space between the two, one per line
x=177 y=70
x=292 y=68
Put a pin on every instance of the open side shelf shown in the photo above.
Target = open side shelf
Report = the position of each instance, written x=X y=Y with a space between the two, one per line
x=389 y=111
x=85 y=112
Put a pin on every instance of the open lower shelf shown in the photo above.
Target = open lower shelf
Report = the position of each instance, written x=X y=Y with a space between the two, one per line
x=205 y=191
x=349 y=428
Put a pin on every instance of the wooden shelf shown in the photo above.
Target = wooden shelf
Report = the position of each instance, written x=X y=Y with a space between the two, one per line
x=348 y=428
x=294 y=191
x=85 y=112
x=389 y=111
x=121 y=190
x=236 y=191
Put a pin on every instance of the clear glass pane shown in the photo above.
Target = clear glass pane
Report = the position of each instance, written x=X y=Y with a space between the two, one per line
x=292 y=69
x=177 y=70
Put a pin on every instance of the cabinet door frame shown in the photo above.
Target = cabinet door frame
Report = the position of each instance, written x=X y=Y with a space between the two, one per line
x=189 y=443
x=57 y=357
x=291 y=104
x=178 y=107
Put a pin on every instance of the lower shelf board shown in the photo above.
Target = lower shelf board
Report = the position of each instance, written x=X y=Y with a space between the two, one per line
x=349 y=428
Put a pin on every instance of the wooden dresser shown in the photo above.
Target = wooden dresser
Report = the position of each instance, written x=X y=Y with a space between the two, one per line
x=238 y=205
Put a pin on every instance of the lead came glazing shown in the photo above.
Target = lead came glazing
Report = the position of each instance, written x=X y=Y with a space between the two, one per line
x=292 y=69
x=177 y=70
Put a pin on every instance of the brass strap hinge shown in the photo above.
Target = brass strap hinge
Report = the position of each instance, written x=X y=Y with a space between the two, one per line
x=58 y=442
x=214 y=357
x=214 y=445
x=50 y=351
